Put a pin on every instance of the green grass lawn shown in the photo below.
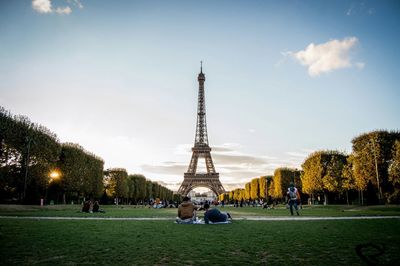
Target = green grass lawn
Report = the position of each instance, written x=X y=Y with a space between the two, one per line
x=71 y=242
x=50 y=242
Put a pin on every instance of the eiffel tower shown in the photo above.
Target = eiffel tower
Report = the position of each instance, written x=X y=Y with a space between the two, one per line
x=192 y=178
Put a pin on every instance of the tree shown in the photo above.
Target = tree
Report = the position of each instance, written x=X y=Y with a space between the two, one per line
x=28 y=152
x=231 y=195
x=247 y=188
x=281 y=179
x=348 y=177
x=116 y=179
x=82 y=172
x=312 y=174
x=149 y=189
x=373 y=153
x=262 y=183
x=140 y=187
x=393 y=195
x=332 y=180
x=156 y=190
x=254 y=189
x=131 y=187
x=323 y=172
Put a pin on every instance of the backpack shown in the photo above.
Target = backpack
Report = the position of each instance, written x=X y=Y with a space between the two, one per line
x=292 y=193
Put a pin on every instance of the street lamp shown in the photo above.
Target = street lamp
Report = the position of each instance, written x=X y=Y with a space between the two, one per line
x=53 y=176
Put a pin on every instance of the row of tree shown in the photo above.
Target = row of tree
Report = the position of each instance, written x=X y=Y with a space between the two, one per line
x=34 y=165
x=265 y=187
x=370 y=173
x=134 y=188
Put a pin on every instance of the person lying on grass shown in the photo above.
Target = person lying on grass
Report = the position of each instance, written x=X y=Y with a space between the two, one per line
x=214 y=215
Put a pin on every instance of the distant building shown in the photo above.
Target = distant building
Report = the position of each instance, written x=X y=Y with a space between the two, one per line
x=200 y=197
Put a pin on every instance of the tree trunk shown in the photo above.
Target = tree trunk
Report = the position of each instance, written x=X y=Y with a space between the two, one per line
x=347 y=197
x=362 y=198
x=64 y=199
x=325 y=198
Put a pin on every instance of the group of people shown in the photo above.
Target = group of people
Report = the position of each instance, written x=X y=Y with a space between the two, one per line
x=187 y=213
x=187 y=210
x=88 y=207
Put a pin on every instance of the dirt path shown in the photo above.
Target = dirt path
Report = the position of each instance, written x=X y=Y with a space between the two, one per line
x=253 y=218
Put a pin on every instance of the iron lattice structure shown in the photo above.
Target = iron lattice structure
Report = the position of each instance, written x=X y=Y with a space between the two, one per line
x=201 y=149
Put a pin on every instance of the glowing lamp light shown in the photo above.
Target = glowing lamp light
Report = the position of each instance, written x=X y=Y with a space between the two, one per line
x=54 y=175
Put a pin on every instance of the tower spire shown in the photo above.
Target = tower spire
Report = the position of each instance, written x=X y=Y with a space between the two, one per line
x=201 y=66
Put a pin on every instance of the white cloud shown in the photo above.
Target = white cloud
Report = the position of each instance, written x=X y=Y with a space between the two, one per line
x=45 y=7
x=63 y=10
x=325 y=57
x=42 y=6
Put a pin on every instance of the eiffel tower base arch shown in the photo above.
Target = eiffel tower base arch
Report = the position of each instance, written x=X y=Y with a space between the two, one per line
x=208 y=180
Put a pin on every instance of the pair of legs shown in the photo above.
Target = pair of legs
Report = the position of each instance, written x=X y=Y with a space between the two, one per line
x=227 y=216
x=291 y=204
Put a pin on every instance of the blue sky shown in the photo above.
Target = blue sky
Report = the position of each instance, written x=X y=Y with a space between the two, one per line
x=283 y=78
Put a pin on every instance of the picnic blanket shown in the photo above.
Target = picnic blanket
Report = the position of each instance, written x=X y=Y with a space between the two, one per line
x=196 y=221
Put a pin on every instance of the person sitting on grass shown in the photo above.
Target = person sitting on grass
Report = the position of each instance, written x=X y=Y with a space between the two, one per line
x=187 y=210
x=86 y=206
x=214 y=215
x=96 y=207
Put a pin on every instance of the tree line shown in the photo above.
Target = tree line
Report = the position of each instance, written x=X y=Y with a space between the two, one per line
x=35 y=165
x=29 y=153
x=370 y=174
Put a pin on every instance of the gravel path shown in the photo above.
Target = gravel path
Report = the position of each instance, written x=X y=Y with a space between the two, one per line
x=253 y=218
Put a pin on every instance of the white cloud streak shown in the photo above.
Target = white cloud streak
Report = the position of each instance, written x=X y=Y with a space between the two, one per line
x=360 y=9
x=63 y=10
x=326 y=57
x=235 y=167
x=45 y=7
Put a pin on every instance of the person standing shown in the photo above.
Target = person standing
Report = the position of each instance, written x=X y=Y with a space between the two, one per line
x=293 y=197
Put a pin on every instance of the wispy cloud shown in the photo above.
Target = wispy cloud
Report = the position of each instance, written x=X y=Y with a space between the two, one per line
x=76 y=3
x=326 y=57
x=168 y=168
x=63 y=10
x=45 y=7
x=360 y=8
x=235 y=167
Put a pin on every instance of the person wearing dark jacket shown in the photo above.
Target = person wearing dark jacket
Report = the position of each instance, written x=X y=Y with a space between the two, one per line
x=214 y=215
